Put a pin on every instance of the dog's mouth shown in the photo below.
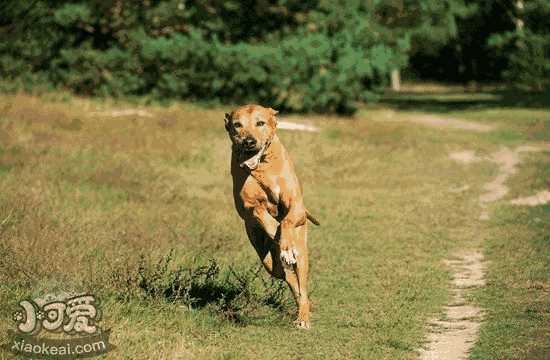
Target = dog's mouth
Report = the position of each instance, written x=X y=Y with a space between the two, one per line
x=253 y=157
x=251 y=150
x=253 y=154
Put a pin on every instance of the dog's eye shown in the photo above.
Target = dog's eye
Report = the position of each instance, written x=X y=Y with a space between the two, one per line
x=237 y=125
x=260 y=123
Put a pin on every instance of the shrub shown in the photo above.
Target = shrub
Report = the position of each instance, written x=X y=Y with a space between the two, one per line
x=293 y=55
x=527 y=47
x=529 y=64
x=234 y=294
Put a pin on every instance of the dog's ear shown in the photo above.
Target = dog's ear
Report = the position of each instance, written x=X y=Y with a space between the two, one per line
x=273 y=117
x=227 y=121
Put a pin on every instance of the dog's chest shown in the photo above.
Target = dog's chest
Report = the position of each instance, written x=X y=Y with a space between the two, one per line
x=254 y=193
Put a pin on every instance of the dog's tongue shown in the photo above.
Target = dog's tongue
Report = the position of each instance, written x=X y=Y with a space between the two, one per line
x=254 y=161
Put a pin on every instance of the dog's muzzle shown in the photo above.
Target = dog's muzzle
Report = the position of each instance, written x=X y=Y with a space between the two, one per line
x=253 y=162
x=249 y=143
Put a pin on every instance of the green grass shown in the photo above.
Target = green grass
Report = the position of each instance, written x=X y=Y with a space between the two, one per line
x=98 y=204
x=518 y=286
x=517 y=296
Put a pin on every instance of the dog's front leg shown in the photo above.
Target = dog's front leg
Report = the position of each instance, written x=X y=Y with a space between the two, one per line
x=266 y=221
x=296 y=216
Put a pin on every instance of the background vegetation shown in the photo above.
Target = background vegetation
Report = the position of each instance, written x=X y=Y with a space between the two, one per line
x=315 y=55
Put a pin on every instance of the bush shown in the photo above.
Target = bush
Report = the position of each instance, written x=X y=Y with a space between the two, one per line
x=234 y=294
x=527 y=47
x=292 y=55
x=297 y=74
x=529 y=62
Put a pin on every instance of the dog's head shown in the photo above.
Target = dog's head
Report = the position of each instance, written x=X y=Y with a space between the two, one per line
x=251 y=127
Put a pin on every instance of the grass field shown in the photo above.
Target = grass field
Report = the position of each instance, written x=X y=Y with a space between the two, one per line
x=138 y=210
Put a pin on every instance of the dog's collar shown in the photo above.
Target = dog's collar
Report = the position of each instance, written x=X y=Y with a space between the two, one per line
x=253 y=162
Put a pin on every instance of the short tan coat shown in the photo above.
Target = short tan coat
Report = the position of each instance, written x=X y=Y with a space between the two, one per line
x=268 y=197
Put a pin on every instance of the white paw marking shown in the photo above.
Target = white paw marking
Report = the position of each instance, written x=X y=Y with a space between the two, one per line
x=303 y=324
x=289 y=256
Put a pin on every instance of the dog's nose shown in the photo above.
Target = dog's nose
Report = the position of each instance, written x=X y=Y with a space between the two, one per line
x=249 y=141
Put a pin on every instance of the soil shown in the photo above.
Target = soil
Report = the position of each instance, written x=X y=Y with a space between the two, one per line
x=453 y=334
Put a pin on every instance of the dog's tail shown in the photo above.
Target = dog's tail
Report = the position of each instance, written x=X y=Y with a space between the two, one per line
x=312 y=219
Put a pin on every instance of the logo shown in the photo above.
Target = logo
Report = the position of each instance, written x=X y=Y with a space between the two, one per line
x=62 y=326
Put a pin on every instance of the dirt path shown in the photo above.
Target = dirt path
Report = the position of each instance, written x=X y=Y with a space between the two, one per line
x=540 y=198
x=450 y=123
x=453 y=335
x=507 y=161
x=437 y=121
x=289 y=125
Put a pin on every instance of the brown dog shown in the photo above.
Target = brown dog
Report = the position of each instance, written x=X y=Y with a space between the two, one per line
x=268 y=197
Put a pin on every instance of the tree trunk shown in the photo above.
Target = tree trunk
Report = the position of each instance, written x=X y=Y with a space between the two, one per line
x=519 y=20
x=396 y=80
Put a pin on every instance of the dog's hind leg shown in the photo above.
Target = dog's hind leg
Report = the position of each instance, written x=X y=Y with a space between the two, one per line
x=301 y=270
x=266 y=250
x=295 y=275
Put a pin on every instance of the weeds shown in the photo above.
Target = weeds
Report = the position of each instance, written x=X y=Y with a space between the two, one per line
x=237 y=294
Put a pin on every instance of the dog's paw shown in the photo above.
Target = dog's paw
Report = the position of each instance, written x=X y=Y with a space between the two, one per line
x=302 y=324
x=289 y=256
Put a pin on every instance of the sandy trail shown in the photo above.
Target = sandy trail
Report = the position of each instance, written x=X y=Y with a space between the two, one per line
x=540 y=198
x=507 y=161
x=122 y=113
x=437 y=121
x=289 y=125
x=465 y=157
x=453 y=335
x=450 y=123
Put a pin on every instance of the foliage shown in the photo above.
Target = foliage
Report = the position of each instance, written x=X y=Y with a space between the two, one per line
x=496 y=40
x=234 y=294
x=528 y=46
x=315 y=55
x=294 y=55
x=429 y=24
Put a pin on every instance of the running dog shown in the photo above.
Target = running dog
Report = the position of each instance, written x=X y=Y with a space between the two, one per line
x=268 y=197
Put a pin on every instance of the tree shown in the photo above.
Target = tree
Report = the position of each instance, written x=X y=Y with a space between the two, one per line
x=426 y=24
x=312 y=55
x=527 y=45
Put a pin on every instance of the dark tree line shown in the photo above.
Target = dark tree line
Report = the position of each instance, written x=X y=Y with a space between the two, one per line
x=310 y=55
